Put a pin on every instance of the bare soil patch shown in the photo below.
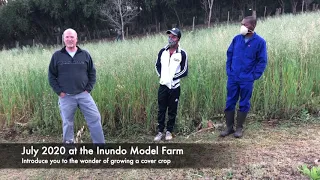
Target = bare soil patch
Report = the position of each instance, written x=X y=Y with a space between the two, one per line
x=267 y=152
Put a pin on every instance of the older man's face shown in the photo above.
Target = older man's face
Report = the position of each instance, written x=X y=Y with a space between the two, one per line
x=70 y=39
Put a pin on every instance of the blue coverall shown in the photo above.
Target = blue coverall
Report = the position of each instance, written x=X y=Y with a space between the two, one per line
x=246 y=62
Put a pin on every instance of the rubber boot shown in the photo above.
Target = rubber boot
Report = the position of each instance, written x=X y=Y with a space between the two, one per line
x=241 y=117
x=230 y=122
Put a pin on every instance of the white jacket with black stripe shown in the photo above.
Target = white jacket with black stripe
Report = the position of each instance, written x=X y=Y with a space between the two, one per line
x=171 y=69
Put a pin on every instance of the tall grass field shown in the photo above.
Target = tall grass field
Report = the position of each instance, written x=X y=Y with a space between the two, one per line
x=127 y=83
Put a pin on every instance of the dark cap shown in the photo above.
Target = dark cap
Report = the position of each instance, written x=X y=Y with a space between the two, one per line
x=175 y=31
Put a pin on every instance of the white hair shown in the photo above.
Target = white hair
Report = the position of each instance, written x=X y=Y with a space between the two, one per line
x=70 y=30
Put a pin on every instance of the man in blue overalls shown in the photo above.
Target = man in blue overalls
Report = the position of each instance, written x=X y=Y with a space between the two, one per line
x=246 y=62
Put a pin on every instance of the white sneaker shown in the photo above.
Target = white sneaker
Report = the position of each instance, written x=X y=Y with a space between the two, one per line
x=168 y=136
x=158 y=136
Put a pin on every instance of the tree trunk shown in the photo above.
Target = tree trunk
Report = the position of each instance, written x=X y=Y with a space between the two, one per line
x=204 y=5
x=278 y=11
x=156 y=22
x=121 y=18
x=282 y=4
x=228 y=18
x=241 y=16
x=232 y=10
x=193 y=19
x=294 y=6
x=127 y=33
x=175 y=11
x=209 y=17
x=254 y=13
x=210 y=3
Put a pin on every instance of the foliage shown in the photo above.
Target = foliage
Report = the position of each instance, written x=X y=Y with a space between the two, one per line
x=127 y=84
x=313 y=173
x=45 y=20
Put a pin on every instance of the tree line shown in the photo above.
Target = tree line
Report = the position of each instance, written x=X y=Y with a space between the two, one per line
x=42 y=21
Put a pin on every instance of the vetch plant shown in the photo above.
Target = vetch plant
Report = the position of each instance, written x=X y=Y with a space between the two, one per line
x=313 y=173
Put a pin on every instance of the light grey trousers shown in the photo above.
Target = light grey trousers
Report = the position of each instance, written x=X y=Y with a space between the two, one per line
x=68 y=106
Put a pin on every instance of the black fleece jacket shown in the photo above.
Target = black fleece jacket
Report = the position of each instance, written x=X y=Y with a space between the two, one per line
x=71 y=75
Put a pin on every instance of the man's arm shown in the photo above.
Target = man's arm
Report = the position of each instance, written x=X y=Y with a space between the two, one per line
x=158 y=62
x=53 y=76
x=262 y=61
x=91 y=74
x=184 y=66
x=229 y=57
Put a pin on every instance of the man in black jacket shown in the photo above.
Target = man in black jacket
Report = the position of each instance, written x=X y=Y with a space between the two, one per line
x=171 y=66
x=72 y=76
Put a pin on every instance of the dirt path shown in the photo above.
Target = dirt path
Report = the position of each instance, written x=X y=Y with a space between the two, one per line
x=268 y=153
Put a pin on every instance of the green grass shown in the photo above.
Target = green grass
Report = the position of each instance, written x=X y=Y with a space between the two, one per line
x=126 y=89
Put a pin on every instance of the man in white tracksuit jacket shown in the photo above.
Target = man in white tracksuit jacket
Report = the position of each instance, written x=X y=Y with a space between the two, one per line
x=171 y=66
